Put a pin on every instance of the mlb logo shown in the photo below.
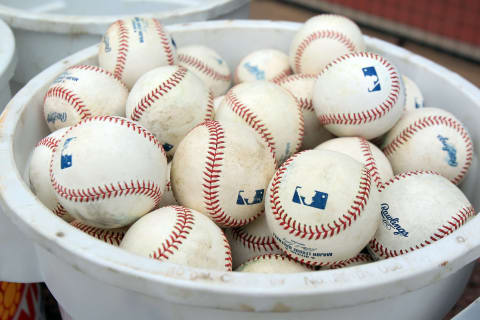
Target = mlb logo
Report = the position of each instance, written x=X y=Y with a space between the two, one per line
x=257 y=198
x=372 y=77
x=65 y=156
x=318 y=200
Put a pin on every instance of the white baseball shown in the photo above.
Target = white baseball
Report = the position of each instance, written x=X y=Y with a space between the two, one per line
x=216 y=103
x=322 y=207
x=301 y=87
x=359 y=94
x=321 y=40
x=222 y=170
x=133 y=46
x=169 y=101
x=208 y=65
x=251 y=240
x=429 y=139
x=108 y=171
x=82 y=92
x=272 y=263
x=413 y=95
x=179 y=235
x=417 y=209
x=268 y=109
x=110 y=236
x=263 y=64
x=39 y=176
x=167 y=198
x=361 y=258
x=364 y=152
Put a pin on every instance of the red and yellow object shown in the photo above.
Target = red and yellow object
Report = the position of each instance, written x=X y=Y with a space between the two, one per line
x=19 y=301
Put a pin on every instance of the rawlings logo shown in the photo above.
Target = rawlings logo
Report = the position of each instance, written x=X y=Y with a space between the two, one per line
x=451 y=151
x=319 y=199
x=65 y=76
x=138 y=27
x=259 y=74
x=256 y=199
x=392 y=223
x=65 y=158
x=54 y=116
x=371 y=75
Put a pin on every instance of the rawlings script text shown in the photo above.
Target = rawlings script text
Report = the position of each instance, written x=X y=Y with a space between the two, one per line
x=392 y=223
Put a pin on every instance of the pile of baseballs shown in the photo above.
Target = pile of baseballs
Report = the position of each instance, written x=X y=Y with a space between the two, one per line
x=275 y=174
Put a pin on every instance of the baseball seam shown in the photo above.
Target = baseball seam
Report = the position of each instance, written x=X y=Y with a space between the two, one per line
x=253 y=242
x=362 y=257
x=404 y=175
x=48 y=142
x=371 y=114
x=406 y=134
x=251 y=119
x=71 y=98
x=99 y=70
x=210 y=106
x=162 y=89
x=108 y=236
x=203 y=67
x=270 y=256
x=318 y=35
x=122 y=52
x=165 y=42
x=455 y=222
x=228 y=253
x=282 y=75
x=370 y=162
x=59 y=211
x=181 y=229
x=304 y=102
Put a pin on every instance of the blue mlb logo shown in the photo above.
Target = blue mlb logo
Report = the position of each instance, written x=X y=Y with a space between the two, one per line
x=257 y=198
x=65 y=156
x=372 y=77
x=319 y=199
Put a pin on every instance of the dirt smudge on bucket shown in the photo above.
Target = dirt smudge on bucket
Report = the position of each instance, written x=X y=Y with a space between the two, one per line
x=246 y=307
x=280 y=307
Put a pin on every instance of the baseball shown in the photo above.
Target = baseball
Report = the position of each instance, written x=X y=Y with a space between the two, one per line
x=413 y=95
x=222 y=170
x=169 y=101
x=417 y=209
x=251 y=240
x=179 y=235
x=272 y=263
x=322 y=207
x=264 y=64
x=110 y=236
x=321 y=40
x=269 y=110
x=39 y=177
x=361 y=258
x=208 y=65
x=301 y=87
x=133 y=46
x=80 y=93
x=429 y=139
x=359 y=94
x=216 y=103
x=108 y=171
x=364 y=152
x=167 y=198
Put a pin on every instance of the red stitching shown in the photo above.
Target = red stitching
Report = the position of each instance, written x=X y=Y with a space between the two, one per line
x=228 y=253
x=455 y=222
x=251 y=119
x=305 y=103
x=370 y=162
x=301 y=128
x=404 y=175
x=429 y=121
x=317 y=232
x=317 y=35
x=373 y=113
x=362 y=257
x=168 y=187
x=122 y=52
x=182 y=228
x=203 y=68
x=60 y=211
x=210 y=106
x=100 y=70
x=272 y=256
x=252 y=242
x=161 y=90
x=282 y=75
x=48 y=142
x=110 y=236
x=73 y=100
x=165 y=42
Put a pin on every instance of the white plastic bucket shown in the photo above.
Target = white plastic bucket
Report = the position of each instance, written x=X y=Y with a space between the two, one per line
x=49 y=30
x=92 y=280
x=8 y=61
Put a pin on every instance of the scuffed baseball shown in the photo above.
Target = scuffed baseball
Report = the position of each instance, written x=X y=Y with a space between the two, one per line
x=429 y=139
x=39 y=177
x=272 y=263
x=413 y=95
x=167 y=198
x=359 y=94
x=301 y=87
x=364 y=152
x=322 y=39
x=222 y=170
x=208 y=65
x=251 y=240
x=417 y=209
x=110 y=236
x=268 y=109
x=133 y=46
x=82 y=92
x=322 y=207
x=263 y=64
x=169 y=101
x=179 y=235
x=108 y=171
